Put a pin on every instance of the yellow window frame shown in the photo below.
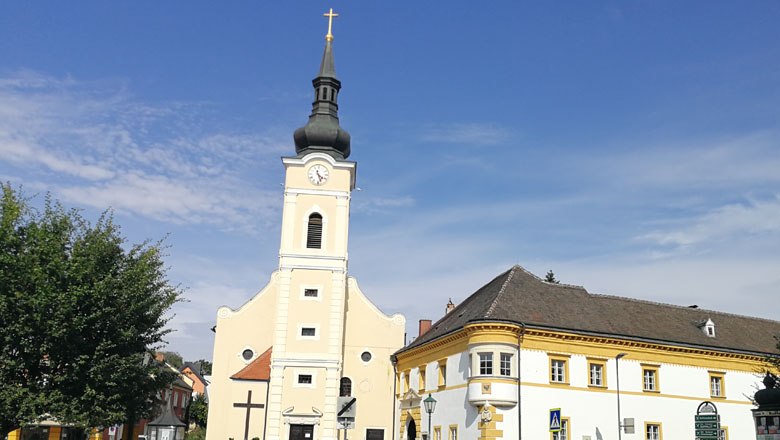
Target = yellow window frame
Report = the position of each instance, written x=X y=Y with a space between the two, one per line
x=660 y=430
x=717 y=375
x=603 y=364
x=442 y=372
x=421 y=378
x=567 y=421
x=561 y=358
x=656 y=377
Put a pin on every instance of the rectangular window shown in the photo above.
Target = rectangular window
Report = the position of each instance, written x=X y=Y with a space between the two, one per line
x=650 y=379
x=506 y=364
x=375 y=434
x=485 y=364
x=453 y=432
x=563 y=434
x=304 y=379
x=596 y=374
x=653 y=431
x=175 y=399
x=437 y=433
x=717 y=382
x=421 y=378
x=308 y=331
x=443 y=373
x=407 y=374
x=310 y=293
x=723 y=433
x=558 y=370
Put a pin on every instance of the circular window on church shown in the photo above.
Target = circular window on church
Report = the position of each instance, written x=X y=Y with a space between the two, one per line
x=247 y=354
x=366 y=356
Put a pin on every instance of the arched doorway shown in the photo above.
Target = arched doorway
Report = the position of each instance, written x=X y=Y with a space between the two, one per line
x=411 y=430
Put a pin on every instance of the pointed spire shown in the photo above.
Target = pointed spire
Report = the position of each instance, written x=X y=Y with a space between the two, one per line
x=322 y=132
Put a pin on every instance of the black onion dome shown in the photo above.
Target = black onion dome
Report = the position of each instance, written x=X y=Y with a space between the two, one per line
x=323 y=132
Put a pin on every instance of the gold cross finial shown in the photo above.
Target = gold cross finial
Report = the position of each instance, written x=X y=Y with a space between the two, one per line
x=330 y=16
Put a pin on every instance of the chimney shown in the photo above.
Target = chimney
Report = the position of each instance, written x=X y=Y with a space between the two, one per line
x=450 y=306
x=425 y=325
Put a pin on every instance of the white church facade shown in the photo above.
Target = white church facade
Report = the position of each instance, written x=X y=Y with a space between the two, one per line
x=283 y=360
x=310 y=348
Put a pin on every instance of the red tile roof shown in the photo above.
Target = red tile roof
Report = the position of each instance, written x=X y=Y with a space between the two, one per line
x=258 y=369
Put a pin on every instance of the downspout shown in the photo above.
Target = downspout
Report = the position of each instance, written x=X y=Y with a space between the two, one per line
x=519 y=394
x=394 y=361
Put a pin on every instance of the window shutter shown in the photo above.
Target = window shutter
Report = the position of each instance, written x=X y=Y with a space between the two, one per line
x=314 y=233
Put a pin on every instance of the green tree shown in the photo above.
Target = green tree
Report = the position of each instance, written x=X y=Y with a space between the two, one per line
x=78 y=311
x=550 y=277
x=199 y=410
x=205 y=366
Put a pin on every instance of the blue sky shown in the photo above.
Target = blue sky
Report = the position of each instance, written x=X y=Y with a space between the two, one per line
x=633 y=147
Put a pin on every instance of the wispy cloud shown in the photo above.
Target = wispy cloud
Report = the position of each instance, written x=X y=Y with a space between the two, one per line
x=726 y=223
x=472 y=133
x=91 y=143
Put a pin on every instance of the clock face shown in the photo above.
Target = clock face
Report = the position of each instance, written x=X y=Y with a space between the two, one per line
x=318 y=175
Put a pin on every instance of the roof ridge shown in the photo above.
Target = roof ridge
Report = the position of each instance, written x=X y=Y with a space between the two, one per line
x=501 y=290
x=559 y=284
x=658 y=303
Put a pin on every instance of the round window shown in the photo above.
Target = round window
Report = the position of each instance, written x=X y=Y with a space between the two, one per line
x=366 y=356
x=247 y=354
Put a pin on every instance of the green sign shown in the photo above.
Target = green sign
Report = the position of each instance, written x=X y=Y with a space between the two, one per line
x=707 y=434
x=706 y=417
x=707 y=425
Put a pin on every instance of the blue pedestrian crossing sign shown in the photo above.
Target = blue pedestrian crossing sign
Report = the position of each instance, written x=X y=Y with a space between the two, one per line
x=555 y=420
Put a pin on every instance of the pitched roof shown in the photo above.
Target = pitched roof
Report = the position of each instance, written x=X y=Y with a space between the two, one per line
x=258 y=369
x=195 y=368
x=520 y=297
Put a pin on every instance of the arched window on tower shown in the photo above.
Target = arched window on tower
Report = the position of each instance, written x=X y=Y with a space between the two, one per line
x=345 y=387
x=314 y=233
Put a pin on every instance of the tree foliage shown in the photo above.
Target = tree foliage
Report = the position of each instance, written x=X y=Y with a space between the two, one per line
x=550 y=277
x=78 y=311
x=205 y=367
x=199 y=410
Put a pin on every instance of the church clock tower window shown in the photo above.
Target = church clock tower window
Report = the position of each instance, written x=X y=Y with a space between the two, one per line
x=314 y=232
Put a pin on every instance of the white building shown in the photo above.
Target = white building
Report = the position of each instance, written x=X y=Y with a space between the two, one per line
x=567 y=342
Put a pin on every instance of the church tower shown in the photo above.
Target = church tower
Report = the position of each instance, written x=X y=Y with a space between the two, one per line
x=285 y=361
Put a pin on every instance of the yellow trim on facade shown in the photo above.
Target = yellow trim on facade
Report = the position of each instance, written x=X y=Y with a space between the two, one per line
x=434 y=351
x=489 y=430
x=436 y=432
x=725 y=432
x=421 y=378
x=722 y=377
x=633 y=393
x=660 y=429
x=449 y=432
x=493 y=379
x=15 y=434
x=656 y=378
x=441 y=370
x=555 y=357
x=606 y=347
x=603 y=364
x=493 y=333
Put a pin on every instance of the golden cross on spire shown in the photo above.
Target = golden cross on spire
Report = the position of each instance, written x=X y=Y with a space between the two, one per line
x=330 y=16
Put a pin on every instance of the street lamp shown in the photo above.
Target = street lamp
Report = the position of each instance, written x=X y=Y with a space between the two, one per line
x=430 y=407
x=617 y=377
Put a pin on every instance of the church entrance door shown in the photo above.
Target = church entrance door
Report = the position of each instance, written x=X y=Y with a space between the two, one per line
x=411 y=430
x=301 y=432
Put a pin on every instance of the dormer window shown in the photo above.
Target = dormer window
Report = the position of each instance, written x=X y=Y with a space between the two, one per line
x=708 y=328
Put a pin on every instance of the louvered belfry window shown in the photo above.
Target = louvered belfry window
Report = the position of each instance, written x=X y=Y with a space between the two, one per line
x=314 y=235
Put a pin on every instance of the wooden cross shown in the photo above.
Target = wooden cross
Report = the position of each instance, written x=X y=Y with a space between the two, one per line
x=248 y=405
x=330 y=16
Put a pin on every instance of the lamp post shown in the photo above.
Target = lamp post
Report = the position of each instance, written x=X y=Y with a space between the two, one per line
x=430 y=407
x=617 y=377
